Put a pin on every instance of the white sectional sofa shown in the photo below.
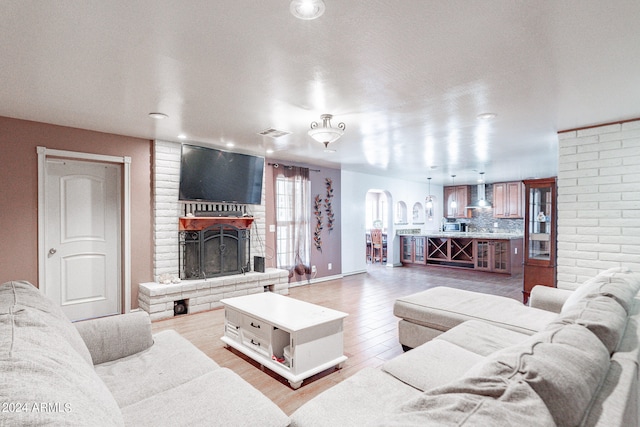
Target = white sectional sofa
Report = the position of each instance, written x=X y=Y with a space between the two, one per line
x=111 y=372
x=481 y=360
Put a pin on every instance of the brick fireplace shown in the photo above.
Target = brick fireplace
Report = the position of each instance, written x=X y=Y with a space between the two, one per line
x=199 y=294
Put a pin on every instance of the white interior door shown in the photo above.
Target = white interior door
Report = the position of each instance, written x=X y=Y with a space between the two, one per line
x=82 y=237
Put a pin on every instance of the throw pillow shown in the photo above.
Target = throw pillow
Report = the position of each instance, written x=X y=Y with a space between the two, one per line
x=617 y=283
x=565 y=367
x=494 y=402
x=21 y=298
x=602 y=315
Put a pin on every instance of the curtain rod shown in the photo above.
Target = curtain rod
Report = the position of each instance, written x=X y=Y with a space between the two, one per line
x=277 y=165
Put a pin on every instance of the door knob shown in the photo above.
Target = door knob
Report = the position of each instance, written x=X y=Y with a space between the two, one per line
x=52 y=251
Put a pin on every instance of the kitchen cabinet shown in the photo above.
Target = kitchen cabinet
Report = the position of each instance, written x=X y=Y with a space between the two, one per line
x=499 y=256
x=412 y=250
x=508 y=200
x=491 y=252
x=462 y=197
x=539 y=234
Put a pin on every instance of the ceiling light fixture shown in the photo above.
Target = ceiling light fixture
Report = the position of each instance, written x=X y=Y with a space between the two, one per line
x=453 y=204
x=182 y=136
x=326 y=134
x=306 y=9
x=158 y=116
x=429 y=197
x=487 y=116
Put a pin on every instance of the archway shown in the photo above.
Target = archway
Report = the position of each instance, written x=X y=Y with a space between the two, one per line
x=379 y=215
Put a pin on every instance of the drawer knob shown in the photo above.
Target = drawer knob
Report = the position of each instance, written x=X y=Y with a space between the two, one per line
x=255 y=326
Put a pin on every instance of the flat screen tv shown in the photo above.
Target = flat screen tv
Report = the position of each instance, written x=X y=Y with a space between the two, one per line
x=211 y=175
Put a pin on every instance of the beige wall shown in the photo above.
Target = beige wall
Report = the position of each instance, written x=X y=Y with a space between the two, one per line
x=19 y=198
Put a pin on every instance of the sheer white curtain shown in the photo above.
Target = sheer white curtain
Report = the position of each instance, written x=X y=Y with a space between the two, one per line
x=293 y=216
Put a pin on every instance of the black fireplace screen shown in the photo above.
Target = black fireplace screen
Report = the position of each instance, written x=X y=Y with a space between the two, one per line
x=219 y=250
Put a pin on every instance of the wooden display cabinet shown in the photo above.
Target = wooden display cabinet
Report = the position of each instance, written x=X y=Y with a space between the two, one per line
x=539 y=234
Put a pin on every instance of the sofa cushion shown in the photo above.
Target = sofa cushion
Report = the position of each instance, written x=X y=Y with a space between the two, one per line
x=481 y=337
x=42 y=370
x=355 y=402
x=565 y=367
x=602 y=315
x=442 y=308
x=482 y=402
x=618 y=283
x=432 y=364
x=220 y=397
x=171 y=361
x=22 y=296
x=616 y=403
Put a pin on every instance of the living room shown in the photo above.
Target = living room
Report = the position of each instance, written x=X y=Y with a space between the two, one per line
x=595 y=151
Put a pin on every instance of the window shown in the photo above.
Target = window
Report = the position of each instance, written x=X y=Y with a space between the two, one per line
x=293 y=215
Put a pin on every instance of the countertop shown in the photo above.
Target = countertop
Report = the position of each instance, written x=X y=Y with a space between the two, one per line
x=471 y=235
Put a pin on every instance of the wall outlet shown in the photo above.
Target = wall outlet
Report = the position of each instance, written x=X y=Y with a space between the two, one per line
x=313 y=269
x=495 y=225
x=330 y=266
x=272 y=228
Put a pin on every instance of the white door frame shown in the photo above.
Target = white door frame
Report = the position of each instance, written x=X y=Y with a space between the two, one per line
x=43 y=153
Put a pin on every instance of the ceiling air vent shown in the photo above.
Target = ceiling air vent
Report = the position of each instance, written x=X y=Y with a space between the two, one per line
x=273 y=133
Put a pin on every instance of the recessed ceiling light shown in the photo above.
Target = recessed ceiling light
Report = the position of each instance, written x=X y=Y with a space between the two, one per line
x=230 y=144
x=306 y=9
x=487 y=116
x=182 y=136
x=269 y=151
x=158 y=116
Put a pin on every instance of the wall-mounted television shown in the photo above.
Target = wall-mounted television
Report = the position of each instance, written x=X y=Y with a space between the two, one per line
x=211 y=175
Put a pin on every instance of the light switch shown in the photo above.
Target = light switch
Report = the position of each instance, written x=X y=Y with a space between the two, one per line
x=272 y=228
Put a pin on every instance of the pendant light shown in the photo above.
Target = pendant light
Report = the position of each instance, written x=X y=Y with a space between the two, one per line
x=429 y=203
x=453 y=204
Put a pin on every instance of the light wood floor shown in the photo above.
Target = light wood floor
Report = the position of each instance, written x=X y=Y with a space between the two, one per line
x=370 y=331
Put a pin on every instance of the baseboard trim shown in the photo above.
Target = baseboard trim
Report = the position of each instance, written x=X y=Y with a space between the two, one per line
x=315 y=280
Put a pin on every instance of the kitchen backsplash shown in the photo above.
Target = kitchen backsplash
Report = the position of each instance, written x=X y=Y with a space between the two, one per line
x=483 y=220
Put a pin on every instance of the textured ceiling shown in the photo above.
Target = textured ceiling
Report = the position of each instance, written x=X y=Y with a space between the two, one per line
x=408 y=78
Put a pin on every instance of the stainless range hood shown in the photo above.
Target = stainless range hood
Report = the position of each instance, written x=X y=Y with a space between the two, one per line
x=481 y=201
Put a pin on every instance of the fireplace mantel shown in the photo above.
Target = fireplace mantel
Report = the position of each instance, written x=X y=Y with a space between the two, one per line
x=197 y=223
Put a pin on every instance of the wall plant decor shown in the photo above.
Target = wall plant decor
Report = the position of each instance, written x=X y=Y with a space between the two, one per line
x=317 y=210
x=327 y=204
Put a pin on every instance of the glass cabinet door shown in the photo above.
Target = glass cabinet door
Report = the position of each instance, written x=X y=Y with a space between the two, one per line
x=407 y=254
x=540 y=223
x=419 y=250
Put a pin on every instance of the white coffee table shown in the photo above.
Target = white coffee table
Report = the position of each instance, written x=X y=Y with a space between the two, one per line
x=293 y=338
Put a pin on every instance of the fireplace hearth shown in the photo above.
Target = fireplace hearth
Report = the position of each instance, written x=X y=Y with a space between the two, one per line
x=213 y=247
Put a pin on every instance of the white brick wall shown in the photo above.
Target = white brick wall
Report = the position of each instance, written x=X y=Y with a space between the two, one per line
x=598 y=201
x=167 y=209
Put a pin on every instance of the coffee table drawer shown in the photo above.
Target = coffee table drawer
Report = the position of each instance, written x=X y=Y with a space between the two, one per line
x=256 y=343
x=257 y=327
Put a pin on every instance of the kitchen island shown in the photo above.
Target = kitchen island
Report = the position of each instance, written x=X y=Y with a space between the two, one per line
x=492 y=252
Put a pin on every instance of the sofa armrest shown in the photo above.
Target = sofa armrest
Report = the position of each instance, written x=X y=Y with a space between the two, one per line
x=115 y=337
x=547 y=298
